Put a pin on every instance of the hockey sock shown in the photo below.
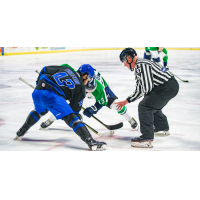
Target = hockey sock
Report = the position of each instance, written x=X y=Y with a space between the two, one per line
x=125 y=113
x=33 y=118
x=122 y=111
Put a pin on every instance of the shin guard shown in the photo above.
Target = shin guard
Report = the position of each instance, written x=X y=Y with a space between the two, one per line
x=32 y=119
x=79 y=128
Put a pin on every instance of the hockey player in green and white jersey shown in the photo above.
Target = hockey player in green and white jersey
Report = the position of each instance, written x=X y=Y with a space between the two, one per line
x=157 y=54
x=98 y=89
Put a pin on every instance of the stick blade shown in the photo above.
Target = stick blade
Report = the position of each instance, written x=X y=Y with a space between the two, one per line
x=106 y=134
x=114 y=127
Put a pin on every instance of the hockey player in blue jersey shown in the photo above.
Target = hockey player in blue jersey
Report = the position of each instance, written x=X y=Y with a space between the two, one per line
x=97 y=88
x=55 y=85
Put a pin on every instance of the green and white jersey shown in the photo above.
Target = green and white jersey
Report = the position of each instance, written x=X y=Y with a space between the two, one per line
x=155 y=54
x=99 y=94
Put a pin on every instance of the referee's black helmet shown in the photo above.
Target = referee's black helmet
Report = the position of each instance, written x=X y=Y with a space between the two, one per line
x=127 y=52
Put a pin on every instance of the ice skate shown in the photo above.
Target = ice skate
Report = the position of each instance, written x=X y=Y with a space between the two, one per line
x=141 y=143
x=18 y=138
x=162 y=133
x=46 y=123
x=20 y=133
x=134 y=124
x=95 y=145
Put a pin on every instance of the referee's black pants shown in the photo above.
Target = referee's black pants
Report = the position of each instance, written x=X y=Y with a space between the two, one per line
x=150 y=108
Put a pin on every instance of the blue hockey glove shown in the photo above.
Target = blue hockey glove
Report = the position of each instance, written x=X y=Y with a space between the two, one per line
x=164 y=69
x=90 y=111
x=147 y=55
x=156 y=59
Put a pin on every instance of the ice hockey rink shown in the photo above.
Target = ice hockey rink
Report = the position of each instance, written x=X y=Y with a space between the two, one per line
x=16 y=103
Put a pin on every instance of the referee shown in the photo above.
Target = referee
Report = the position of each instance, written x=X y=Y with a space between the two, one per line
x=157 y=87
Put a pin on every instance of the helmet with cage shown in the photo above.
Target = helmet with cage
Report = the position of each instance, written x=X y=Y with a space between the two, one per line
x=89 y=70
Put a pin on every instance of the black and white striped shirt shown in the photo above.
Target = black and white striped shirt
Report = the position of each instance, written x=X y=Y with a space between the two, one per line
x=147 y=75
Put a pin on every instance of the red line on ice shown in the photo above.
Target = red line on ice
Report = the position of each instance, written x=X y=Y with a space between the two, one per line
x=58 y=145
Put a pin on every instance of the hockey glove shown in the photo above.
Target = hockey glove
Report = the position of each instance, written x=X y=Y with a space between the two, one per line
x=90 y=111
x=156 y=59
x=164 y=69
x=147 y=55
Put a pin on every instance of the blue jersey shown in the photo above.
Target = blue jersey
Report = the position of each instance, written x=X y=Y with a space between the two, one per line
x=65 y=82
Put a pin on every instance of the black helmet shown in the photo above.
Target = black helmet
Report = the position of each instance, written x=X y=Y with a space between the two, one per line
x=127 y=52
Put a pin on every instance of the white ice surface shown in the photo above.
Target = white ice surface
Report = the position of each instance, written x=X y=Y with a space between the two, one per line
x=183 y=111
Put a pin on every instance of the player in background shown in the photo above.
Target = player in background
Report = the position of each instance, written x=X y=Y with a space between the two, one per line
x=54 y=86
x=98 y=89
x=159 y=55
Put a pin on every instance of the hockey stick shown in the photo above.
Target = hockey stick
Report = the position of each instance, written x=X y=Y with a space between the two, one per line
x=186 y=81
x=109 y=127
x=105 y=134
x=21 y=79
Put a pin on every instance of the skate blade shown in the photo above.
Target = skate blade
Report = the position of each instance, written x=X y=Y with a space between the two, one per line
x=142 y=144
x=18 y=138
x=106 y=134
x=136 y=128
x=103 y=147
x=95 y=148
x=43 y=129
x=162 y=133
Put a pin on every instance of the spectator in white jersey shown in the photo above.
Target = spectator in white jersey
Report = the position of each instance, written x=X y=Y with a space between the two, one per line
x=157 y=87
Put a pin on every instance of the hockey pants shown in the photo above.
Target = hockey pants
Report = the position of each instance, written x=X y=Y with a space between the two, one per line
x=150 y=108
